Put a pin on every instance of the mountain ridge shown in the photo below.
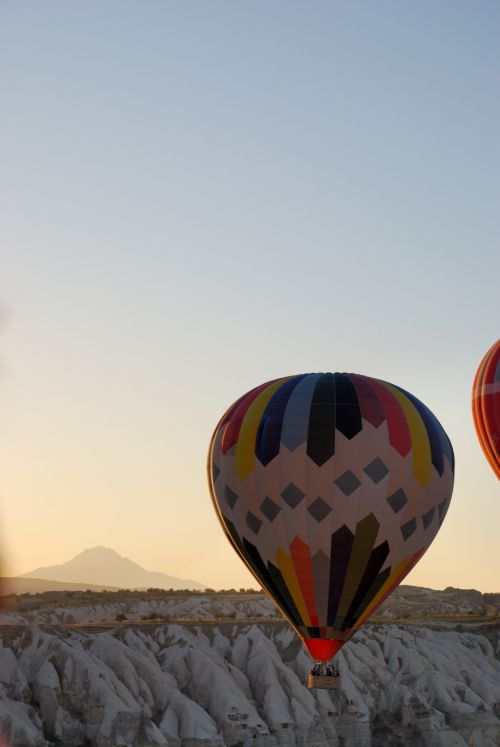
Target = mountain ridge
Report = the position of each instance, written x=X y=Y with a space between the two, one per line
x=103 y=566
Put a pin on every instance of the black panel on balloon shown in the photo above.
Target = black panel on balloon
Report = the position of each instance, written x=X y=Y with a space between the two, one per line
x=234 y=537
x=314 y=632
x=370 y=595
x=339 y=560
x=287 y=604
x=348 y=413
x=375 y=563
x=258 y=566
x=321 y=431
x=254 y=561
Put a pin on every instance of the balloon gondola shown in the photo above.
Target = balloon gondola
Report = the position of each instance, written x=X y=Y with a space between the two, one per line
x=330 y=487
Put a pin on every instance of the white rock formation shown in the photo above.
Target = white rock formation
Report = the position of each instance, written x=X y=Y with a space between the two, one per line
x=243 y=684
x=189 y=609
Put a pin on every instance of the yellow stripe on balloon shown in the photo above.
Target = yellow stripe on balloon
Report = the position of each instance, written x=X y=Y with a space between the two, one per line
x=287 y=569
x=377 y=599
x=422 y=461
x=245 y=448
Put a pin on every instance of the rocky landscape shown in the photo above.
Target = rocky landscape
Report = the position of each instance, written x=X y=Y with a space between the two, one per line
x=152 y=670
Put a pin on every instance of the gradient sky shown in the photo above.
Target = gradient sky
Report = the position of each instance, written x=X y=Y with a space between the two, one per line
x=197 y=197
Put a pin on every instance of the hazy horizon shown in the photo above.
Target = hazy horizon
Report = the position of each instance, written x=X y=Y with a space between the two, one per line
x=254 y=583
x=198 y=198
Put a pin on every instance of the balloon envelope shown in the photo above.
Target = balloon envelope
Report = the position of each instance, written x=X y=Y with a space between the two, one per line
x=486 y=406
x=330 y=487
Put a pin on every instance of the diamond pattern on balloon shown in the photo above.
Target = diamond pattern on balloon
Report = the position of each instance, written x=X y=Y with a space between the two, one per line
x=397 y=500
x=319 y=509
x=292 y=495
x=253 y=522
x=376 y=470
x=230 y=496
x=442 y=510
x=347 y=482
x=269 y=508
x=408 y=529
x=428 y=517
x=215 y=472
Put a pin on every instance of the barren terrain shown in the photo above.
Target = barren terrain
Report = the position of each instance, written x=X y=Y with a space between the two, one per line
x=159 y=668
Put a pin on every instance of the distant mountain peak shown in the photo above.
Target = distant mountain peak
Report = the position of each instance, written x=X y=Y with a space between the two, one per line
x=98 y=549
x=104 y=566
x=100 y=552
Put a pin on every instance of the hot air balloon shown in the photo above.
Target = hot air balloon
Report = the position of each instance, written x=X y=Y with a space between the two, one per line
x=486 y=406
x=330 y=487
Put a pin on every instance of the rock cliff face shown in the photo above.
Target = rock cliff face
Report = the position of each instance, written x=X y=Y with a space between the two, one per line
x=240 y=684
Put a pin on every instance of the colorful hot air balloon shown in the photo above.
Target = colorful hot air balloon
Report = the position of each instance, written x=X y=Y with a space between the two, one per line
x=330 y=487
x=486 y=406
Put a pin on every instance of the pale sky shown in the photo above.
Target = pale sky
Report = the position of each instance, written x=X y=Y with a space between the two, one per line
x=197 y=197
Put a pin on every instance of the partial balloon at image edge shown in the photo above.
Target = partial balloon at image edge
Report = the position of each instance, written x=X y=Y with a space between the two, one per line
x=486 y=406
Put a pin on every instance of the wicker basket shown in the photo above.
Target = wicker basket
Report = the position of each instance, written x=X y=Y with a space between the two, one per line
x=322 y=681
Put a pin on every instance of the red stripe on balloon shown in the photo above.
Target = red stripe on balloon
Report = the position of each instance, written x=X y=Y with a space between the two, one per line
x=371 y=409
x=477 y=411
x=486 y=407
x=229 y=414
x=303 y=568
x=490 y=406
x=399 y=433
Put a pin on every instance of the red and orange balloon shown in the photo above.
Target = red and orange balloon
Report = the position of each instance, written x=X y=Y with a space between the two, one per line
x=486 y=406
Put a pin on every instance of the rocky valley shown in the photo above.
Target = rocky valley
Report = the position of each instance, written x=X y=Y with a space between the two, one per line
x=150 y=670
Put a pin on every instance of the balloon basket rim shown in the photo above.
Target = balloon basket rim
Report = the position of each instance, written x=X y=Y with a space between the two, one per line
x=322 y=682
